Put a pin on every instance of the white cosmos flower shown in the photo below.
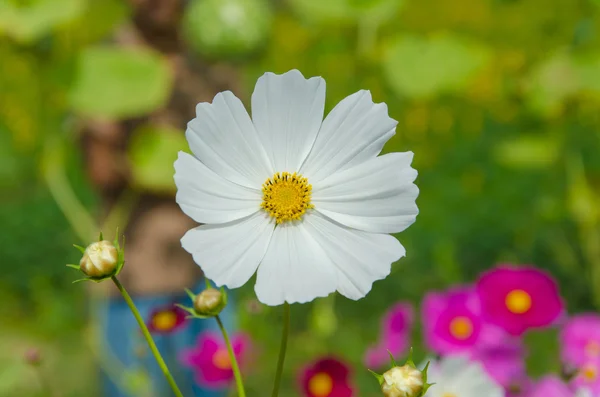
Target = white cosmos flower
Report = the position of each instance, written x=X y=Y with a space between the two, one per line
x=305 y=201
x=457 y=376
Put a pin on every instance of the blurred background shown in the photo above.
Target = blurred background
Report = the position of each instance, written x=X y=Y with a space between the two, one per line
x=499 y=100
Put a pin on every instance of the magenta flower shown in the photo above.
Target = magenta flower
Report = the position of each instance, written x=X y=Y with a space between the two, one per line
x=580 y=339
x=504 y=361
x=210 y=359
x=395 y=335
x=166 y=319
x=453 y=323
x=327 y=377
x=588 y=377
x=550 y=386
x=519 y=298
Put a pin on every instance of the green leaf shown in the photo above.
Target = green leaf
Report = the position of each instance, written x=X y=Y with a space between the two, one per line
x=422 y=68
x=32 y=20
x=80 y=248
x=528 y=151
x=152 y=152
x=409 y=361
x=335 y=11
x=190 y=294
x=226 y=27
x=392 y=360
x=119 y=83
x=76 y=267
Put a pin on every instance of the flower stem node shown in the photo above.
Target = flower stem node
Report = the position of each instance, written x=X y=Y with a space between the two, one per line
x=208 y=303
x=403 y=381
x=101 y=260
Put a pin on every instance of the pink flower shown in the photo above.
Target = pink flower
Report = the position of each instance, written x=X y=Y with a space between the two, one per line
x=453 y=324
x=519 y=298
x=580 y=339
x=327 y=377
x=210 y=359
x=504 y=362
x=550 y=386
x=166 y=319
x=395 y=335
x=588 y=377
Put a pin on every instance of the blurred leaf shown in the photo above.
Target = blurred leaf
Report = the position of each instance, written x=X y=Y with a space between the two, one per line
x=227 y=27
x=581 y=199
x=587 y=67
x=119 y=83
x=29 y=20
x=528 y=151
x=543 y=357
x=551 y=83
x=152 y=152
x=335 y=11
x=421 y=68
x=99 y=19
x=323 y=320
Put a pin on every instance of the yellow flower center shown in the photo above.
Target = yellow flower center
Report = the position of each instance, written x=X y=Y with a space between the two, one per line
x=221 y=359
x=461 y=327
x=286 y=196
x=447 y=394
x=320 y=385
x=592 y=349
x=164 y=321
x=518 y=301
x=589 y=373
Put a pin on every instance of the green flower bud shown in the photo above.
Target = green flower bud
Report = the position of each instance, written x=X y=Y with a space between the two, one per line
x=100 y=259
x=209 y=302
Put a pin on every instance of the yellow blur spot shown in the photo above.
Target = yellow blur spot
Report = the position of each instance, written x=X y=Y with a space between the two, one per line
x=320 y=385
x=589 y=373
x=164 y=321
x=461 y=327
x=221 y=359
x=518 y=301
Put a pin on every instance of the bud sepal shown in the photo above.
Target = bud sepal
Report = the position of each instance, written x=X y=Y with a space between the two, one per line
x=403 y=381
x=101 y=260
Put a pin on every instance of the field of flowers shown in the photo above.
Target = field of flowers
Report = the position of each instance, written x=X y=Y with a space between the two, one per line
x=496 y=283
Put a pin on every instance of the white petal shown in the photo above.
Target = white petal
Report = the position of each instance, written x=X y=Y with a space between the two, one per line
x=353 y=132
x=376 y=196
x=230 y=253
x=287 y=111
x=360 y=257
x=295 y=268
x=223 y=137
x=208 y=198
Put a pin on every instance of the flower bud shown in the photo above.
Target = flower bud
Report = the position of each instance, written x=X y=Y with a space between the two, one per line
x=209 y=302
x=404 y=381
x=100 y=259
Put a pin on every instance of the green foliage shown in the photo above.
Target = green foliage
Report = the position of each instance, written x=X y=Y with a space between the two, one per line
x=117 y=83
x=152 y=152
x=335 y=11
x=226 y=28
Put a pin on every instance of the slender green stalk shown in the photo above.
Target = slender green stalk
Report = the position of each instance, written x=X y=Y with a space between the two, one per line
x=282 y=349
x=234 y=364
x=44 y=384
x=151 y=344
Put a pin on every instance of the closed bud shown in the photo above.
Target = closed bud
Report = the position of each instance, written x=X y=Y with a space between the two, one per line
x=405 y=381
x=209 y=302
x=100 y=259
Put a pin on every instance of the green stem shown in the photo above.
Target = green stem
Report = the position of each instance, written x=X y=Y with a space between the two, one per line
x=282 y=349
x=151 y=344
x=44 y=384
x=234 y=364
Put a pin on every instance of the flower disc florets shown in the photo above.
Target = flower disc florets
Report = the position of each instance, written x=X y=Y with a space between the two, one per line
x=402 y=381
x=286 y=196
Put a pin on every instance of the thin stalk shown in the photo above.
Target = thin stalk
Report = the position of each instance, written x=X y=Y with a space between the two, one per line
x=282 y=349
x=151 y=344
x=234 y=364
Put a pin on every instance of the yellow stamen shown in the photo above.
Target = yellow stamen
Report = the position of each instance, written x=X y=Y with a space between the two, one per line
x=518 y=301
x=447 y=394
x=461 y=327
x=320 y=385
x=589 y=373
x=286 y=197
x=221 y=359
x=164 y=321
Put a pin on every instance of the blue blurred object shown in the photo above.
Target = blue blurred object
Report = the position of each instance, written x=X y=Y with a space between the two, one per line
x=122 y=335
